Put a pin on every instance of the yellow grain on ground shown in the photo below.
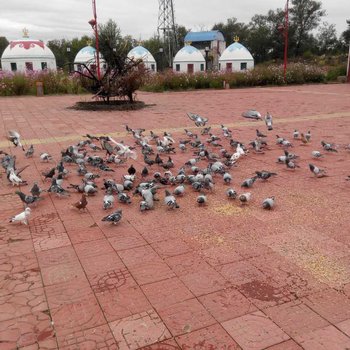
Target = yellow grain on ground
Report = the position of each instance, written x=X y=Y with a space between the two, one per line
x=227 y=209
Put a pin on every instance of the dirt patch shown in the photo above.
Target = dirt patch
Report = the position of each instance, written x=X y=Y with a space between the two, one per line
x=114 y=105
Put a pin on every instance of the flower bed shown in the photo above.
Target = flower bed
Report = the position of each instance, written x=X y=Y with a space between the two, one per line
x=54 y=82
x=297 y=73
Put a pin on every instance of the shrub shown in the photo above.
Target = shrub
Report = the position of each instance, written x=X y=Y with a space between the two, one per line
x=54 y=82
x=334 y=72
x=297 y=73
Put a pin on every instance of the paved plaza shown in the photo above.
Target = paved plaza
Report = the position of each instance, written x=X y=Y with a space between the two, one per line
x=218 y=277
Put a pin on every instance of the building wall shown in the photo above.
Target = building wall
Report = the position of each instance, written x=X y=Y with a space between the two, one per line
x=184 y=66
x=236 y=64
x=21 y=63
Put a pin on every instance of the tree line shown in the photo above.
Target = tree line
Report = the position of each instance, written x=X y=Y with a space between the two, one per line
x=308 y=34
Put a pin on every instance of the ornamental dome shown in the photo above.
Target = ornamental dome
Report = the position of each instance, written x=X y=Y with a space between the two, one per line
x=86 y=55
x=27 y=54
x=139 y=52
x=236 y=51
x=189 y=54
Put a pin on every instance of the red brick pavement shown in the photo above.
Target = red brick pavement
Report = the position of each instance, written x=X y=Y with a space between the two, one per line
x=218 y=277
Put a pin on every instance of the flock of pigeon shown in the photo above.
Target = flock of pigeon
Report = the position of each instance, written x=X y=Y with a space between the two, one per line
x=102 y=154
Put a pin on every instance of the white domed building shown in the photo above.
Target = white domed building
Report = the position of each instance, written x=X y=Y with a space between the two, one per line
x=236 y=57
x=189 y=60
x=139 y=52
x=27 y=54
x=87 y=56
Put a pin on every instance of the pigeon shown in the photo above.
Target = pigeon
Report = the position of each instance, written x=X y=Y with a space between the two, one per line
x=252 y=114
x=308 y=136
x=206 y=131
x=231 y=193
x=201 y=199
x=268 y=203
x=245 y=197
x=317 y=154
x=296 y=134
x=22 y=217
x=82 y=203
x=45 y=157
x=15 y=179
x=35 y=190
x=170 y=200
x=227 y=177
x=249 y=182
x=91 y=176
x=114 y=217
x=317 y=171
x=56 y=188
x=49 y=174
x=108 y=200
x=303 y=139
x=26 y=199
x=131 y=170
x=290 y=164
x=144 y=206
x=198 y=120
x=264 y=175
x=268 y=121
x=30 y=151
x=15 y=138
x=123 y=198
x=328 y=147
x=179 y=190
x=259 y=134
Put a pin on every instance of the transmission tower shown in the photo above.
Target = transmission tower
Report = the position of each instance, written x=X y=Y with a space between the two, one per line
x=167 y=29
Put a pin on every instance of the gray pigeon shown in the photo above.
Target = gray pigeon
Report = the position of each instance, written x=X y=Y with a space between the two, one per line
x=30 y=151
x=198 y=120
x=114 y=217
x=249 y=182
x=35 y=190
x=201 y=199
x=252 y=114
x=231 y=193
x=170 y=200
x=318 y=172
x=27 y=199
x=268 y=203
x=268 y=121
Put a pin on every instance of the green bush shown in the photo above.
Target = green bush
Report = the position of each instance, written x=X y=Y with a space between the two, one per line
x=54 y=82
x=297 y=73
x=334 y=72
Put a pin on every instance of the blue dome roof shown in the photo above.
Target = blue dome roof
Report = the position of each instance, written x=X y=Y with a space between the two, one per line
x=188 y=54
x=236 y=46
x=204 y=36
x=87 y=50
x=139 y=51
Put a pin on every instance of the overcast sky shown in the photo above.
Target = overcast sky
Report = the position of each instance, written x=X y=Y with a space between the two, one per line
x=57 y=19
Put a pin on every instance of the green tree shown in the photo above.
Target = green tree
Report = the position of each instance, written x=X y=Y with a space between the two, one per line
x=345 y=36
x=326 y=37
x=232 y=28
x=3 y=45
x=305 y=15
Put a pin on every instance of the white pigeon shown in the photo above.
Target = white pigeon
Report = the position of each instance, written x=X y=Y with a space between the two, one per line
x=22 y=217
x=15 y=180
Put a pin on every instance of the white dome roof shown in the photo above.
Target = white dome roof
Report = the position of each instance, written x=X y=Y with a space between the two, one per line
x=27 y=48
x=86 y=55
x=189 y=54
x=139 y=52
x=236 y=51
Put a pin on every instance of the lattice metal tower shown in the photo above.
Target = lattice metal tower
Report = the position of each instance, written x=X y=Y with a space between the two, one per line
x=167 y=30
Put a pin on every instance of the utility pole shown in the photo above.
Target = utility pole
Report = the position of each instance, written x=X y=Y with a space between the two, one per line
x=93 y=23
x=286 y=27
x=167 y=29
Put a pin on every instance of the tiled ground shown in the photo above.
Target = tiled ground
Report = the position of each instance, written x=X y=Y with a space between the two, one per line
x=219 y=277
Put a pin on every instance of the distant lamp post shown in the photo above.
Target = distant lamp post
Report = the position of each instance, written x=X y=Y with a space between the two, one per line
x=283 y=28
x=207 y=49
x=161 y=51
x=93 y=23
x=69 y=62
x=348 y=68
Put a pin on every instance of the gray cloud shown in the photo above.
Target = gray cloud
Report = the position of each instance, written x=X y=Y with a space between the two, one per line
x=55 y=19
